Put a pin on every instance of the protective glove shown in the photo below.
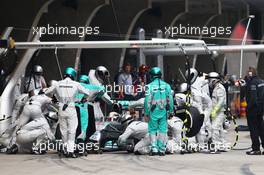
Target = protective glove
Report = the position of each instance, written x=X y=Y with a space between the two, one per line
x=215 y=111
x=242 y=82
x=214 y=114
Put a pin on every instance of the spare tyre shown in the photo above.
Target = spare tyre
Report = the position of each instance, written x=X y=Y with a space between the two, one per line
x=192 y=119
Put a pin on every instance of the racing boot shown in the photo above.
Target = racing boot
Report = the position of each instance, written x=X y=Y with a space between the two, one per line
x=154 y=148
x=71 y=155
x=161 y=142
x=252 y=152
x=153 y=152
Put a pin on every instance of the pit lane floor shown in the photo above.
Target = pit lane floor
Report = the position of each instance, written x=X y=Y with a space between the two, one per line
x=233 y=162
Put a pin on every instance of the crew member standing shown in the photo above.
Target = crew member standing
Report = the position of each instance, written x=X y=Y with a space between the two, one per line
x=158 y=103
x=35 y=80
x=254 y=98
x=66 y=91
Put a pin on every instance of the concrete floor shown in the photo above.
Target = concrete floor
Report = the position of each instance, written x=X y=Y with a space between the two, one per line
x=233 y=162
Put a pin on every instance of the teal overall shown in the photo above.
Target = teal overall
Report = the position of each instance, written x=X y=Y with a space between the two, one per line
x=84 y=113
x=158 y=103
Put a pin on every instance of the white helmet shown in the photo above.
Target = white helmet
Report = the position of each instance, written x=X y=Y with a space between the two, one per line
x=213 y=78
x=102 y=74
x=193 y=75
x=182 y=88
x=180 y=99
x=227 y=124
x=38 y=70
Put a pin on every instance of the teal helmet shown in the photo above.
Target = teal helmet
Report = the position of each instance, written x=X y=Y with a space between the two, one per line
x=70 y=72
x=84 y=79
x=155 y=72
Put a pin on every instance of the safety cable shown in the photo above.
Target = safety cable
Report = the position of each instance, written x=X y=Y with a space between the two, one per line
x=115 y=16
x=231 y=117
x=233 y=147
x=188 y=69
x=185 y=128
x=117 y=25
x=59 y=67
x=32 y=70
x=58 y=63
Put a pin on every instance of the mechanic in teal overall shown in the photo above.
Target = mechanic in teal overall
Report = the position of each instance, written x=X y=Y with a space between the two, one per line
x=158 y=105
x=96 y=92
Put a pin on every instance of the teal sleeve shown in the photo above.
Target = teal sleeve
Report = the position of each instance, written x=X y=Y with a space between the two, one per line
x=146 y=102
x=80 y=95
x=170 y=99
x=100 y=90
x=124 y=104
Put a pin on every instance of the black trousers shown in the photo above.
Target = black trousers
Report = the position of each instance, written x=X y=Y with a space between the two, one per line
x=256 y=128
